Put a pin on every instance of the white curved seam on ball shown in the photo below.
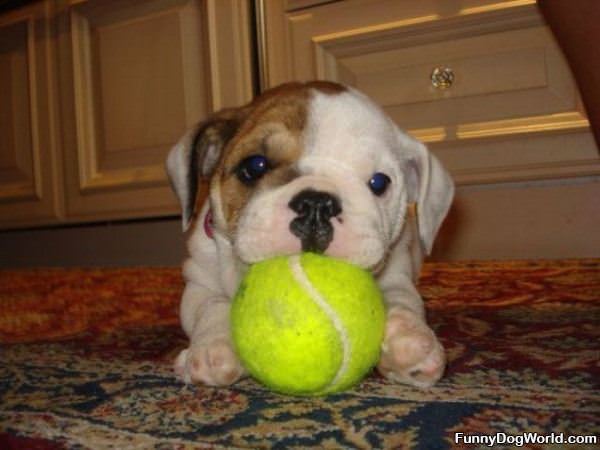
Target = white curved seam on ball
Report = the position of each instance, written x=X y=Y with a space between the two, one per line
x=304 y=282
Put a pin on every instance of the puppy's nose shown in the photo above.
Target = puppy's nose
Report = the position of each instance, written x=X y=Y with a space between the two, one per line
x=312 y=225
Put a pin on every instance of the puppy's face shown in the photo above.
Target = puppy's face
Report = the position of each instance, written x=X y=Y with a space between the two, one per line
x=307 y=167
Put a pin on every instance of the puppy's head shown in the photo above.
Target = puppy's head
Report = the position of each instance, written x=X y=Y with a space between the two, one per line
x=310 y=167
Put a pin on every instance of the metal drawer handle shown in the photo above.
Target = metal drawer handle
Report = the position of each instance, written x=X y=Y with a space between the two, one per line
x=442 y=77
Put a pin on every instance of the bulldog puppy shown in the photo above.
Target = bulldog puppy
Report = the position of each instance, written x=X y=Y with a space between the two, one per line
x=306 y=167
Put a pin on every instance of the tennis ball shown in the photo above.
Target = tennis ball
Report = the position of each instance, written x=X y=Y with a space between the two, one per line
x=307 y=324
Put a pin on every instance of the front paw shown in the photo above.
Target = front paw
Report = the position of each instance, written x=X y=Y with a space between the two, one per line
x=213 y=363
x=411 y=353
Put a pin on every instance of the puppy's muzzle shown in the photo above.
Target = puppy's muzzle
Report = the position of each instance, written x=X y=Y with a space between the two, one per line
x=312 y=226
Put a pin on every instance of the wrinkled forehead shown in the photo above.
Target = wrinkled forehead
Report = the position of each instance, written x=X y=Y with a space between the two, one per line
x=315 y=126
x=347 y=128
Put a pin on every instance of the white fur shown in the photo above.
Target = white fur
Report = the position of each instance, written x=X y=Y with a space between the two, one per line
x=177 y=166
x=347 y=138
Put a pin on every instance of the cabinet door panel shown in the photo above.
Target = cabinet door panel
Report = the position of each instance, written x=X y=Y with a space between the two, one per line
x=139 y=77
x=29 y=192
x=16 y=146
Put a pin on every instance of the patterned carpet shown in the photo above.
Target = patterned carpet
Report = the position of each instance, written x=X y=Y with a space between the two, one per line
x=85 y=362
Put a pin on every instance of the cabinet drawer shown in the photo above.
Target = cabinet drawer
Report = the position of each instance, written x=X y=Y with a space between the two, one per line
x=483 y=83
x=489 y=77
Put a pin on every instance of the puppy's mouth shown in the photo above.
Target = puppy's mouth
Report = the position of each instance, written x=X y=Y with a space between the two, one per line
x=309 y=219
x=312 y=225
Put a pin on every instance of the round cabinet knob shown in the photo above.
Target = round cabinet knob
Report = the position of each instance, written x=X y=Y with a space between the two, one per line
x=442 y=77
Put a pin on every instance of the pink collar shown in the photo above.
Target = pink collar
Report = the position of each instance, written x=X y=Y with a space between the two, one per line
x=209 y=226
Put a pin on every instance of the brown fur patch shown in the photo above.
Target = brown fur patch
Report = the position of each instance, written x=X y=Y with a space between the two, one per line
x=272 y=126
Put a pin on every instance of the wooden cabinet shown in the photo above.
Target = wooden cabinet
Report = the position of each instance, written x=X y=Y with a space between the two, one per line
x=30 y=191
x=483 y=83
x=94 y=92
x=130 y=77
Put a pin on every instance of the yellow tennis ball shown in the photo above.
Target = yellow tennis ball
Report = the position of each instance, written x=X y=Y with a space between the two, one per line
x=308 y=324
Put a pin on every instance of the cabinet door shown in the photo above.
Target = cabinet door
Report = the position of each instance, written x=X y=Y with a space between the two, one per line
x=135 y=75
x=29 y=172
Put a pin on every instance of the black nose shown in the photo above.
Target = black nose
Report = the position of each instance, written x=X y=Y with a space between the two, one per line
x=312 y=225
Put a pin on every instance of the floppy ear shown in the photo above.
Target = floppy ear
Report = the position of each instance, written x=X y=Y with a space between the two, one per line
x=430 y=187
x=194 y=158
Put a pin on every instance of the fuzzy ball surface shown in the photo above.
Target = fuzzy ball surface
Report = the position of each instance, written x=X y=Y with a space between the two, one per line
x=308 y=324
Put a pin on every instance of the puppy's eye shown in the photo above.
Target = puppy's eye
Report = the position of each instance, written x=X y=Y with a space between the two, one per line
x=252 y=168
x=379 y=183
